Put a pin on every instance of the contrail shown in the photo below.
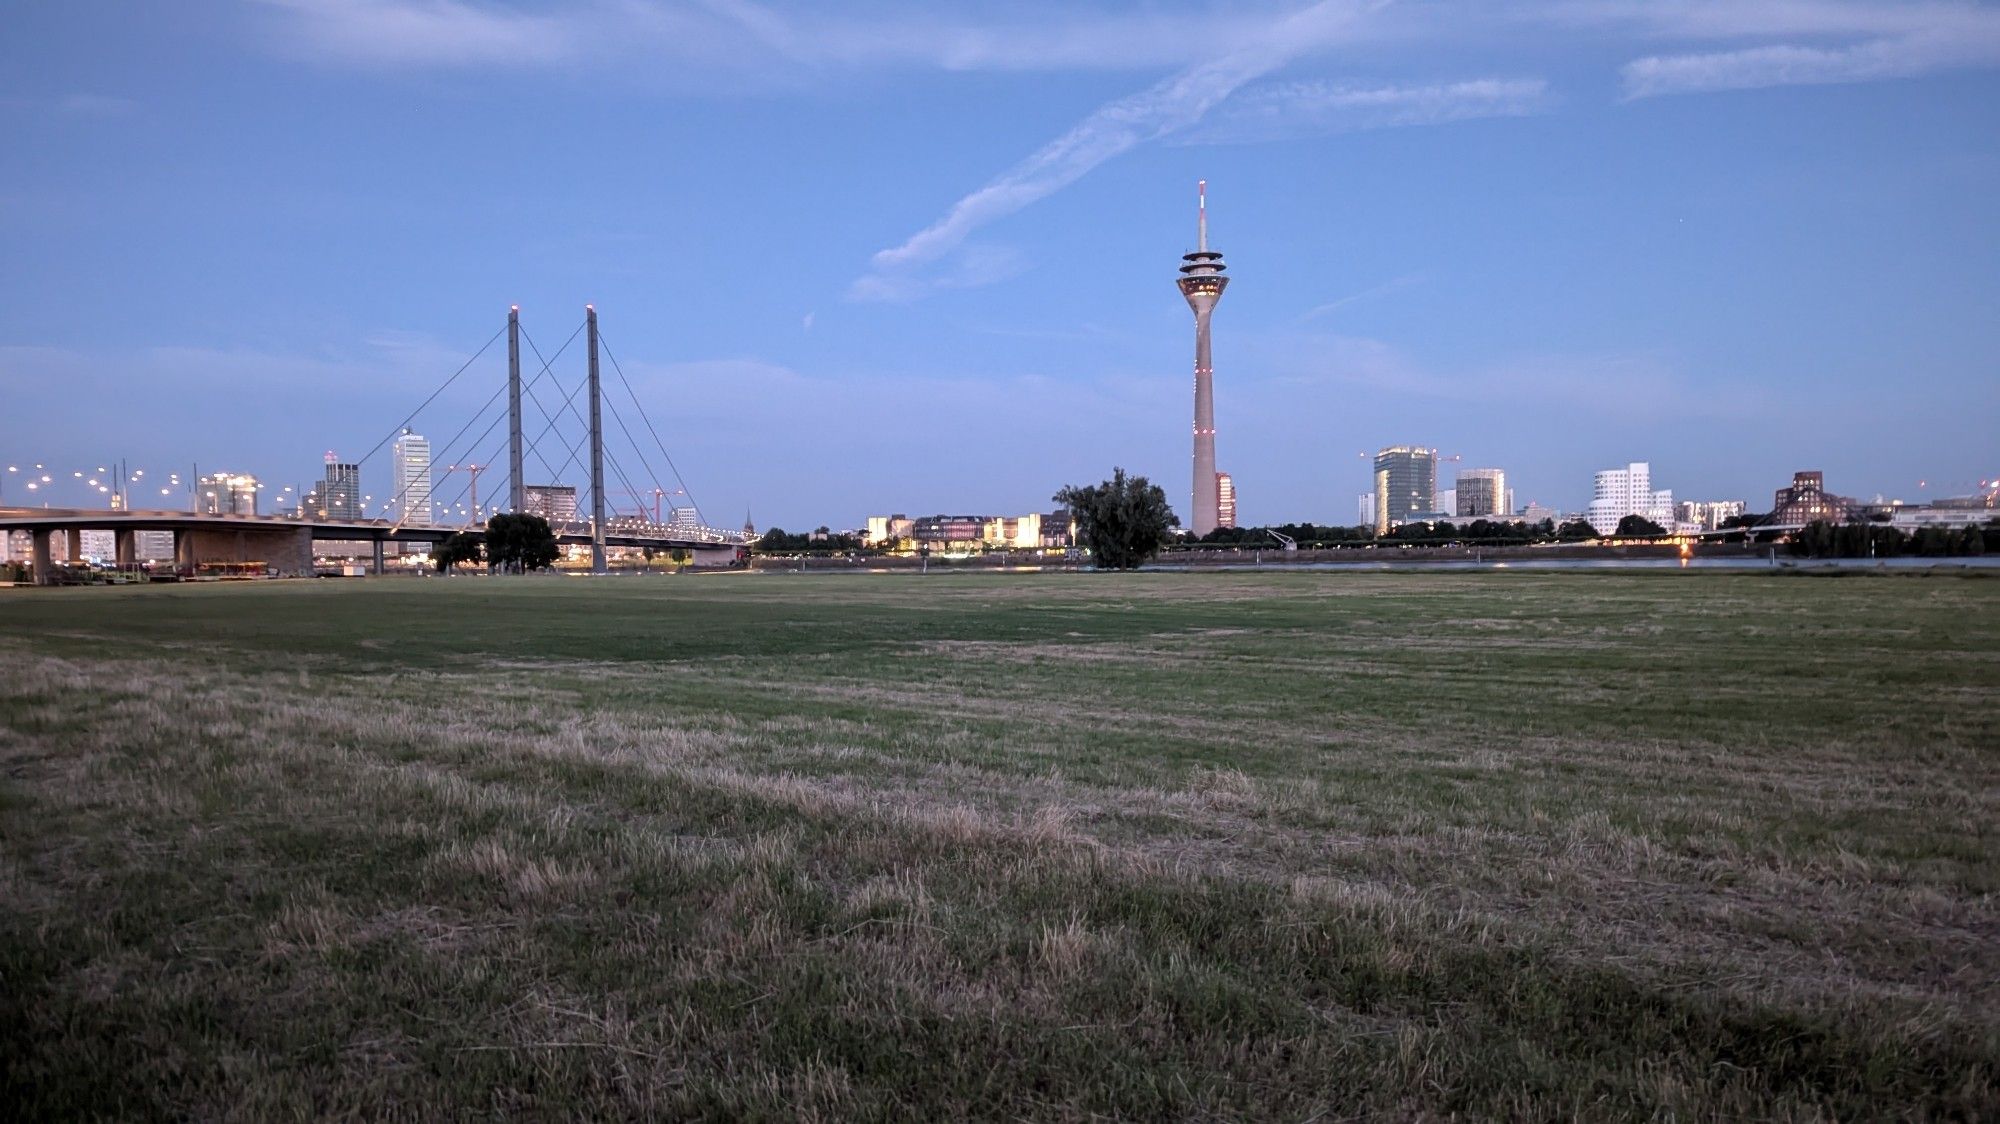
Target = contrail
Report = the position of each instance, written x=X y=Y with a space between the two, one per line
x=1172 y=105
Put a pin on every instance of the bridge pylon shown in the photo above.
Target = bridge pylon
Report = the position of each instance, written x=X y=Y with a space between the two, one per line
x=517 y=493
x=597 y=564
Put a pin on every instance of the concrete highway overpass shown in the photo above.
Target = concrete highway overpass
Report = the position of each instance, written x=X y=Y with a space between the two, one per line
x=286 y=544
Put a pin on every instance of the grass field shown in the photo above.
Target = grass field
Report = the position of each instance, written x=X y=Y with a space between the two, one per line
x=1273 y=846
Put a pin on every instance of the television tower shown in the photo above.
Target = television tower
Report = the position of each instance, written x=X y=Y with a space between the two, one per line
x=1202 y=282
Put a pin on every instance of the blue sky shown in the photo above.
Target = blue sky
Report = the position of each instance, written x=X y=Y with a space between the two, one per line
x=919 y=257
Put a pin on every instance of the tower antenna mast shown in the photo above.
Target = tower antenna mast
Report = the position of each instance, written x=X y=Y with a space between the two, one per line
x=1201 y=210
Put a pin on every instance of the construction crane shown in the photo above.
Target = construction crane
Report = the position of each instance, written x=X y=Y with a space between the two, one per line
x=1284 y=540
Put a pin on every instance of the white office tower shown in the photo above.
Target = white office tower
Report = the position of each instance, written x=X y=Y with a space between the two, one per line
x=412 y=480
x=1620 y=492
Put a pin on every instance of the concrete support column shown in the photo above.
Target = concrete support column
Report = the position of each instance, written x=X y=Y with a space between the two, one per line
x=293 y=553
x=44 y=556
x=378 y=558
x=75 y=547
x=126 y=547
x=183 y=550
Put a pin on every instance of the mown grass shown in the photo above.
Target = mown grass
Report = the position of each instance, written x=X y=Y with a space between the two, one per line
x=1276 y=846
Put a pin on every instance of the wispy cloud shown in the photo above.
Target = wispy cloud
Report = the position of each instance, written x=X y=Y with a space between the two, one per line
x=1825 y=42
x=969 y=267
x=1113 y=129
x=402 y=32
x=1738 y=19
x=754 y=41
x=1297 y=109
x=1387 y=287
x=1793 y=64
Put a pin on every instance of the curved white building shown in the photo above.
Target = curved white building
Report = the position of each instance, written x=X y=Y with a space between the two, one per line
x=1628 y=491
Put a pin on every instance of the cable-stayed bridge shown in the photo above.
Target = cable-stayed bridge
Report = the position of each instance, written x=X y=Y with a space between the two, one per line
x=596 y=519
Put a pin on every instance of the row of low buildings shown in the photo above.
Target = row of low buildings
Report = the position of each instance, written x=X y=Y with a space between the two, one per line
x=1406 y=492
x=1036 y=531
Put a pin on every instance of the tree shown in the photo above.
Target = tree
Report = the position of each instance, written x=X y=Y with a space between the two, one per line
x=461 y=547
x=520 y=542
x=1576 y=530
x=1638 y=526
x=1124 y=521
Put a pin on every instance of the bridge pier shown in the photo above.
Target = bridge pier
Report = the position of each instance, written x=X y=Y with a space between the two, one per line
x=125 y=547
x=44 y=555
x=287 y=550
x=378 y=558
x=75 y=546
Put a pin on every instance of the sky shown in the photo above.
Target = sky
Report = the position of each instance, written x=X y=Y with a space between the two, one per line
x=900 y=256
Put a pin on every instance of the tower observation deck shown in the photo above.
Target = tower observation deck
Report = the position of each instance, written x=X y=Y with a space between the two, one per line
x=1202 y=282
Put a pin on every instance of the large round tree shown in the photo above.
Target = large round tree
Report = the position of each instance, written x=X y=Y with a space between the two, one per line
x=1124 y=521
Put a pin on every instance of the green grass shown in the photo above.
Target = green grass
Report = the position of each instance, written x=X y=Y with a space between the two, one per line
x=1275 y=846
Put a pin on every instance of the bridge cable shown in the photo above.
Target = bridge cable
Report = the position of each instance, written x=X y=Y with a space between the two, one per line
x=569 y=403
x=393 y=433
x=649 y=426
x=555 y=477
x=449 y=445
x=529 y=388
x=498 y=417
x=620 y=419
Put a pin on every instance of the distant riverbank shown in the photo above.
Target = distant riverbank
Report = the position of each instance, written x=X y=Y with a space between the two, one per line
x=1565 y=556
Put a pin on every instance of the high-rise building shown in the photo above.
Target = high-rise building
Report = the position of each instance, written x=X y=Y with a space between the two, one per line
x=1481 y=492
x=226 y=493
x=1366 y=506
x=553 y=502
x=1405 y=484
x=410 y=501
x=1225 y=500
x=1808 y=501
x=1202 y=282
x=1619 y=492
x=340 y=492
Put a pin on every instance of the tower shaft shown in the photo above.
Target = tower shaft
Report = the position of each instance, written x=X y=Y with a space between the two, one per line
x=1207 y=500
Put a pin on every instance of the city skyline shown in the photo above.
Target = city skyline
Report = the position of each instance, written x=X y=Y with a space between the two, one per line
x=1645 y=240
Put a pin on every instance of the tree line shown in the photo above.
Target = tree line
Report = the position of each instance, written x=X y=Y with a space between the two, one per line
x=779 y=541
x=1126 y=520
x=1823 y=539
